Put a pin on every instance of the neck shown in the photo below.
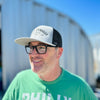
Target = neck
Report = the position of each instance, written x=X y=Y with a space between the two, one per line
x=52 y=75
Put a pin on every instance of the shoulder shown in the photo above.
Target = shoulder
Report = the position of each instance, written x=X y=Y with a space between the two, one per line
x=80 y=85
x=73 y=78
x=25 y=74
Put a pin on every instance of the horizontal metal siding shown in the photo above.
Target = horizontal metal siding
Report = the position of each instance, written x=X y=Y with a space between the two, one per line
x=51 y=17
x=81 y=56
x=39 y=15
x=63 y=28
x=71 y=47
x=95 y=40
x=91 y=73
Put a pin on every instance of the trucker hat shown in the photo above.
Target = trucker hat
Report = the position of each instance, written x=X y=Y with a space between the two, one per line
x=44 y=34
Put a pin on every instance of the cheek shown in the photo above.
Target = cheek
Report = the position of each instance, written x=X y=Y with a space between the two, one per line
x=50 y=59
x=30 y=60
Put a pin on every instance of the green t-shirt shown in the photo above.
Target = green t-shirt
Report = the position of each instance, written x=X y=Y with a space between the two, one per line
x=28 y=86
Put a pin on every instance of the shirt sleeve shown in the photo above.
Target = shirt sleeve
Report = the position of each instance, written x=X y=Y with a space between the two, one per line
x=11 y=93
x=87 y=93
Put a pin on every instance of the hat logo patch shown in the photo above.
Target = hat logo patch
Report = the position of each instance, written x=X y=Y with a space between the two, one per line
x=41 y=32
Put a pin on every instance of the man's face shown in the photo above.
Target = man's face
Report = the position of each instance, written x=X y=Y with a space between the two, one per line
x=44 y=63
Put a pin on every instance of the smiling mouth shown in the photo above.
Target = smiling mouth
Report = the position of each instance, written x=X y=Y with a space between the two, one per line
x=36 y=61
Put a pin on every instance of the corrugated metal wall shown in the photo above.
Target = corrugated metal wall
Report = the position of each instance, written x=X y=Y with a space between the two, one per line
x=95 y=40
x=19 y=17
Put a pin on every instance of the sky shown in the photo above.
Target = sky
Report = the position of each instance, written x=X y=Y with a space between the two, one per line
x=85 y=12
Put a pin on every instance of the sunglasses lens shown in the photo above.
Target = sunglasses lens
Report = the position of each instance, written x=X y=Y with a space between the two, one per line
x=41 y=49
x=28 y=49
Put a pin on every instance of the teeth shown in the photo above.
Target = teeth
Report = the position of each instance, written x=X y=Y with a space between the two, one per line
x=36 y=61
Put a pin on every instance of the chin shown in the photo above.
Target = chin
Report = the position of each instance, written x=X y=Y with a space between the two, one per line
x=37 y=70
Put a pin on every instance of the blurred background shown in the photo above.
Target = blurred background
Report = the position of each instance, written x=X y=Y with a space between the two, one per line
x=78 y=21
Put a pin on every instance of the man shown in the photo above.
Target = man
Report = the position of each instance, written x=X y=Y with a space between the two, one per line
x=46 y=80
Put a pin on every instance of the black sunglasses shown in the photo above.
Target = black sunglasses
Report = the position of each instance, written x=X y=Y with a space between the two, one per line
x=41 y=49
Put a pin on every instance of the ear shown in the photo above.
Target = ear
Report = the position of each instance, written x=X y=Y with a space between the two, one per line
x=59 y=52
